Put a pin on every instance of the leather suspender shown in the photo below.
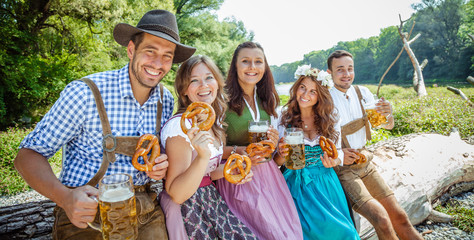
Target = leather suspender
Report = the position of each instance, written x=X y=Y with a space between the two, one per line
x=355 y=125
x=112 y=144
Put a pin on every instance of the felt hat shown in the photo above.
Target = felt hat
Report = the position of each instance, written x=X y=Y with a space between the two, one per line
x=160 y=23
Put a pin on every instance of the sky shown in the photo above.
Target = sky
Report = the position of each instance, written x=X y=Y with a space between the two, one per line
x=288 y=29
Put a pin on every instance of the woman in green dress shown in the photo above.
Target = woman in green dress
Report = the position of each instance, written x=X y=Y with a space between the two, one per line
x=264 y=204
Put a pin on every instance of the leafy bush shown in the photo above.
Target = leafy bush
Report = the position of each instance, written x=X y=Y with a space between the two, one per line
x=11 y=182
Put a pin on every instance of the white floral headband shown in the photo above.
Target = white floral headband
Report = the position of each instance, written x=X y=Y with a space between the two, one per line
x=323 y=76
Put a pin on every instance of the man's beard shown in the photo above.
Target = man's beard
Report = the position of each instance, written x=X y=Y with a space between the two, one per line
x=137 y=76
x=342 y=86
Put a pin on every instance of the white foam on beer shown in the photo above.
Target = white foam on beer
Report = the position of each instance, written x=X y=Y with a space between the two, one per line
x=116 y=195
x=259 y=129
x=294 y=139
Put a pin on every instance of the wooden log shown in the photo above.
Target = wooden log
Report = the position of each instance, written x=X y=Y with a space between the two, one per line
x=421 y=169
x=32 y=220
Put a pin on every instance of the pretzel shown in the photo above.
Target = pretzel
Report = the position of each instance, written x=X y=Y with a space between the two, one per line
x=265 y=146
x=143 y=152
x=230 y=165
x=361 y=159
x=328 y=146
x=193 y=110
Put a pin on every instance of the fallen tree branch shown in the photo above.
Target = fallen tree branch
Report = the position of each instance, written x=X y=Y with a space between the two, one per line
x=460 y=93
x=470 y=80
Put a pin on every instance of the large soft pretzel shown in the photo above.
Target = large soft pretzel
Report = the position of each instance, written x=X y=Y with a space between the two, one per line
x=361 y=159
x=266 y=147
x=193 y=110
x=328 y=146
x=236 y=161
x=152 y=145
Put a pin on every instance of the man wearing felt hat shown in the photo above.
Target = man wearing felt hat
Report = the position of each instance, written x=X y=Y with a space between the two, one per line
x=98 y=131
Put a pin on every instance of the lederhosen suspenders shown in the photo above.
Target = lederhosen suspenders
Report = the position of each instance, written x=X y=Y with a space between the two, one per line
x=355 y=125
x=116 y=144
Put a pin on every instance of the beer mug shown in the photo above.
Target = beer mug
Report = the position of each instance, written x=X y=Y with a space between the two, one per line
x=117 y=207
x=258 y=130
x=294 y=139
x=376 y=119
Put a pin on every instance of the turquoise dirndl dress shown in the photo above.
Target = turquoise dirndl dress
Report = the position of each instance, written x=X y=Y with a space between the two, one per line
x=320 y=199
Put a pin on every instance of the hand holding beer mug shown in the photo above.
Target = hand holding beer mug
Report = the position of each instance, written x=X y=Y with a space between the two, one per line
x=117 y=206
x=376 y=119
x=292 y=148
x=258 y=131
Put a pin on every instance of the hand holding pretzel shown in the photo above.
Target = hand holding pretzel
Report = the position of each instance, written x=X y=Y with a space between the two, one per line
x=361 y=159
x=193 y=110
x=152 y=145
x=235 y=162
x=328 y=146
x=263 y=148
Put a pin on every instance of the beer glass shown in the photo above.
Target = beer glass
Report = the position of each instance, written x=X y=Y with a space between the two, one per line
x=375 y=118
x=258 y=130
x=294 y=139
x=117 y=207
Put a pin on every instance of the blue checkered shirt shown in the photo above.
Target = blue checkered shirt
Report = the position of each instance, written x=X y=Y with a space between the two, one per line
x=73 y=121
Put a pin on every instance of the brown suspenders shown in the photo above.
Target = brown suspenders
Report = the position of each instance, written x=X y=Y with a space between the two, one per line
x=355 y=125
x=113 y=144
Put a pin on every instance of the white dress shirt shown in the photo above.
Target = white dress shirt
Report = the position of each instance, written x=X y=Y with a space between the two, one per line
x=348 y=107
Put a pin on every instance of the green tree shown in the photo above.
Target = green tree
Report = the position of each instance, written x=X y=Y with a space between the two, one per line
x=200 y=28
x=46 y=44
x=440 y=23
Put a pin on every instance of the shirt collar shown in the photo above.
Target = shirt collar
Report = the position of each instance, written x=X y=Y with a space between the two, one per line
x=126 y=87
x=343 y=94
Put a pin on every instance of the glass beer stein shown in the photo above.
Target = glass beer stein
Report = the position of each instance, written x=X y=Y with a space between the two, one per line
x=258 y=130
x=117 y=207
x=375 y=118
x=294 y=139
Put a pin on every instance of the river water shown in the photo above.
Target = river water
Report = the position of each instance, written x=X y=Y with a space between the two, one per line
x=283 y=89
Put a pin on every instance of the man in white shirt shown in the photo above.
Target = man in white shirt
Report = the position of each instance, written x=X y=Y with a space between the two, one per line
x=370 y=195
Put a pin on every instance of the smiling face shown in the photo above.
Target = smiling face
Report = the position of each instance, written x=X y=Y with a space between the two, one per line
x=342 y=72
x=250 y=66
x=306 y=94
x=203 y=85
x=151 y=61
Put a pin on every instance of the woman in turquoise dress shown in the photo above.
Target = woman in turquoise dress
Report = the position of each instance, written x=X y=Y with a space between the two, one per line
x=263 y=204
x=316 y=190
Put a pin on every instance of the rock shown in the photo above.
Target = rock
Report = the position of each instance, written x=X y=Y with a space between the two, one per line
x=428 y=168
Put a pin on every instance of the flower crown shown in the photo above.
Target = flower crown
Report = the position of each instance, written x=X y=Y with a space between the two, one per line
x=323 y=76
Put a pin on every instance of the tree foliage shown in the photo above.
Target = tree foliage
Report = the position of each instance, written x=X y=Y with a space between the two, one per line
x=47 y=44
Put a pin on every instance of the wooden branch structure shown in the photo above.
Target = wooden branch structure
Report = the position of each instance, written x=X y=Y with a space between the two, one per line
x=394 y=61
x=415 y=76
x=421 y=90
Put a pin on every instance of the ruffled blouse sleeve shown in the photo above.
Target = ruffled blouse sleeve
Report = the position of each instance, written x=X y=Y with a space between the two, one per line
x=172 y=128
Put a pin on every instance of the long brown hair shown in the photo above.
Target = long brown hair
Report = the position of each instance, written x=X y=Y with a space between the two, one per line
x=266 y=91
x=325 y=116
x=183 y=80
